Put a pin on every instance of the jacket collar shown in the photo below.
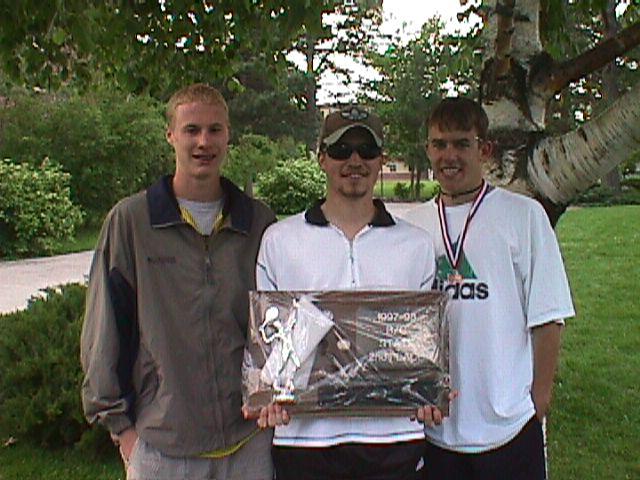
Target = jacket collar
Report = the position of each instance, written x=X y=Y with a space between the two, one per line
x=381 y=218
x=164 y=211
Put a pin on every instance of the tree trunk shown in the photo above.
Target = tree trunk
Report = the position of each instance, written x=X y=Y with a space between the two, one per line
x=517 y=82
x=612 y=180
x=416 y=191
x=248 y=187
x=412 y=178
x=561 y=167
x=311 y=86
x=610 y=85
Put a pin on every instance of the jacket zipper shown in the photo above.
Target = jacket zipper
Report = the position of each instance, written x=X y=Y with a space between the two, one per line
x=208 y=274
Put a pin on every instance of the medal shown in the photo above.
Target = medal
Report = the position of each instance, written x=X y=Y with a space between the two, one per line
x=455 y=277
x=454 y=255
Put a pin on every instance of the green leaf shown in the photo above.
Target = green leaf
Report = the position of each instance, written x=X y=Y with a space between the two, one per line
x=58 y=36
x=235 y=85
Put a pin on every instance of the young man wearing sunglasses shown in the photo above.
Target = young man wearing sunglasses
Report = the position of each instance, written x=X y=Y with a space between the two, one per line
x=498 y=258
x=347 y=240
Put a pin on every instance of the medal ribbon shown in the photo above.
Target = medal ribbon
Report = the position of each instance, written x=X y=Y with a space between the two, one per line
x=454 y=256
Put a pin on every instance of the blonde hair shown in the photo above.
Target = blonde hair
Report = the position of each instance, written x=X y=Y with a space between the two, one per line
x=198 y=92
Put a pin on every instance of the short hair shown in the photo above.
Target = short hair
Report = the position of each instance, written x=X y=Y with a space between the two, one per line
x=459 y=113
x=198 y=92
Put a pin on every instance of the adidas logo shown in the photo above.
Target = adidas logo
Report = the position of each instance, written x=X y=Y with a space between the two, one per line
x=469 y=289
x=463 y=291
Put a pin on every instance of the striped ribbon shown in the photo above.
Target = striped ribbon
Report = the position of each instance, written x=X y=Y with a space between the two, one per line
x=454 y=254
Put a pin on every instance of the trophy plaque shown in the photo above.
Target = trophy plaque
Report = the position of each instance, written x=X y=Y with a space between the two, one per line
x=347 y=352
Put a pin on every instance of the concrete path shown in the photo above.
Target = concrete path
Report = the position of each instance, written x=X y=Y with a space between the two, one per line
x=398 y=208
x=21 y=279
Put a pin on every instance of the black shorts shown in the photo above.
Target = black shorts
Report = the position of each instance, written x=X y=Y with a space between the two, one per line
x=520 y=459
x=353 y=461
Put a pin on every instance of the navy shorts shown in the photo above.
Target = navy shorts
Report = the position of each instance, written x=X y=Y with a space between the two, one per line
x=353 y=461
x=520 y=459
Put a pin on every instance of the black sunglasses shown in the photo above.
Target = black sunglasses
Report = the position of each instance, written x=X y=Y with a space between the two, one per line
x=343 y=151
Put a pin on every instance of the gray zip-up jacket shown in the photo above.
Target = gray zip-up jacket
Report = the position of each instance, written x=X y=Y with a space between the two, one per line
x=166 y=320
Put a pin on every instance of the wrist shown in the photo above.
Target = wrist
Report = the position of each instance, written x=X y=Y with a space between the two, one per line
x=118 y=438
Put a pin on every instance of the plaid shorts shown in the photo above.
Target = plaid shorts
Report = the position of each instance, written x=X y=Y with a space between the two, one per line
x=251 y=462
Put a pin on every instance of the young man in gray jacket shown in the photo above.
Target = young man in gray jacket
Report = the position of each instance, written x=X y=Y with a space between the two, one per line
x=167 y=308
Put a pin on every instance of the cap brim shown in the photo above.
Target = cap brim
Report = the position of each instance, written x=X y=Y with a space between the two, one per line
x=335 y=136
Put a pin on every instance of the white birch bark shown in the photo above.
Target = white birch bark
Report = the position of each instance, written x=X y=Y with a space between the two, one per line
x=526 y=36
x=561 y=167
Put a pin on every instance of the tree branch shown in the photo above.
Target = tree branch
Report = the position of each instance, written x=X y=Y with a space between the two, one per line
x=549 y=82
x=561 y=167
x=503 y=38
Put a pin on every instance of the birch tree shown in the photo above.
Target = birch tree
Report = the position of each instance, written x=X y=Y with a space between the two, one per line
x=519 y=79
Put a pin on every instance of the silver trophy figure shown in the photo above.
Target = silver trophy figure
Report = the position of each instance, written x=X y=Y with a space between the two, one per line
x=272 y=329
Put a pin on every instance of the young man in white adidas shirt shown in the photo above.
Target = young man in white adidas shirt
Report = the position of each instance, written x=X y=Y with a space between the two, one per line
x=346 y=241
x=498 y=257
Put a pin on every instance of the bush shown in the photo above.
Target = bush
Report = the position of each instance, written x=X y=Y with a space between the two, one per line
x=402 y=191
x=630 y=165
x=36 y=212
x=251 y=155
x=632 y=183
x=429 y=189
x=111 y=144
x=254 y=154
x=601 y=195
x=292 y=185
x=40 y=374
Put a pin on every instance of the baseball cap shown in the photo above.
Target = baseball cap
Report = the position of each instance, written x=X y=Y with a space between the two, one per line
x=337 y=123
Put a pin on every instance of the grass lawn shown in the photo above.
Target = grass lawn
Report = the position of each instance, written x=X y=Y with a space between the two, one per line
x=85 y=239
x=25 y=462
x=594 y=426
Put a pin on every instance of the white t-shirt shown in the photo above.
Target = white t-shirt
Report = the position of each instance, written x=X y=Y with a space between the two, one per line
x=305 y=252
x=204 y=214
x=514 y=280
